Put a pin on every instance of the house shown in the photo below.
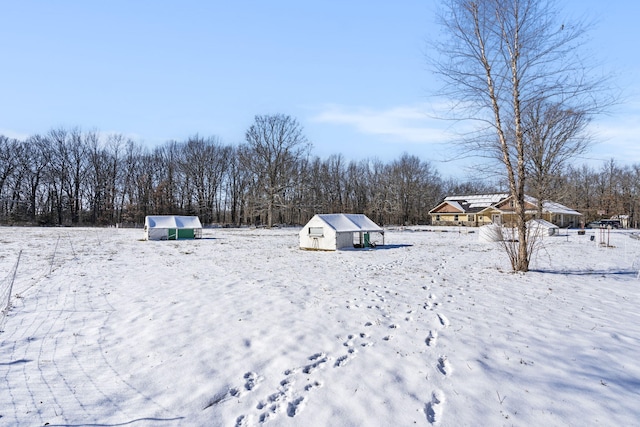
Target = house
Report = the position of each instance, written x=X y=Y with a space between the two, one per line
x=330 y=232
x=499 y=208
x=172 y=227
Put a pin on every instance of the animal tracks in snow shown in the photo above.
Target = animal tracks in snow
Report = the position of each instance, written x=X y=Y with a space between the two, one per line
x=318 y=360
x=288 y=396
x=443 y=320
x=444 y=366
x=432 y=338
x=252 y=380
x=294 y=407
x=433 y=409
x=285 y=399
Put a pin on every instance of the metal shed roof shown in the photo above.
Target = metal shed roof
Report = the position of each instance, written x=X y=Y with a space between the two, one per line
x=172 y=221
x=350 y=222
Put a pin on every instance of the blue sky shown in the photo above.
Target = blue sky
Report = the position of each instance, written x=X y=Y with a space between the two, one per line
x=353 y=73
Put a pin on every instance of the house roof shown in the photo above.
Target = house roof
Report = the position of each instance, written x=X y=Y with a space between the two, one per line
x=479 y=202
x=557 y=208
x=470 y=203
x=172 y=221
x=540 y=223
x=350 y=222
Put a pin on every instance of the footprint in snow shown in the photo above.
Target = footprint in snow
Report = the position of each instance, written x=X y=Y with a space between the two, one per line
x=318 y=360
x=433 y=409
x=349 y=341
x=444 y=366
x=443 y=320
x=252 y=380
x=272 y=405
x=266 y=416
x=241 y=421
x=432 y=338
x=343 y=360
x=312 y=385
x=294 y=407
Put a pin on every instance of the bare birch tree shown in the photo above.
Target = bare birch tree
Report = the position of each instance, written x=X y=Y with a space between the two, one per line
x=499 y=59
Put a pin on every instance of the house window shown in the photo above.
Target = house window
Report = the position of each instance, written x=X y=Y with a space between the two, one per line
x=437 y=217
x=455 y=217
x=316 y=231
x=470 y=218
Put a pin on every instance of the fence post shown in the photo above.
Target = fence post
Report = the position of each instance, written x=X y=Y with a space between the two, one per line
x=13 y=278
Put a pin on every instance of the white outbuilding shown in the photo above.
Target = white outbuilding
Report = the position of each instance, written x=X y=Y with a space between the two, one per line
x=329 y=232
x=172 y=227
x=540 y=228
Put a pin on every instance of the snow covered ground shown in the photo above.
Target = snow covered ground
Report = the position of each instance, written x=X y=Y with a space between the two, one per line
x=242 y=328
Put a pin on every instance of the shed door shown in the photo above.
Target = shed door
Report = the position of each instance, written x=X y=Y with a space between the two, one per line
x=186 y=233
x=173 y=234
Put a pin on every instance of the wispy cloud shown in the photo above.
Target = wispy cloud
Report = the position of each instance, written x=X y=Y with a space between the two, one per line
x=407 y=124
x=13 y=134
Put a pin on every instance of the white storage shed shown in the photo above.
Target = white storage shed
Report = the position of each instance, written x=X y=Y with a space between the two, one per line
x=540 y=227
x=172 y=227
x=329 y=232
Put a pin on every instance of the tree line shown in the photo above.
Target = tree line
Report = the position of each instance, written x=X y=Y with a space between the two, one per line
x=71 y=177
x=74 y=177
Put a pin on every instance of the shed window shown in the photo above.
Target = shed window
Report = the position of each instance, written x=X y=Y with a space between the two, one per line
x=316 y=231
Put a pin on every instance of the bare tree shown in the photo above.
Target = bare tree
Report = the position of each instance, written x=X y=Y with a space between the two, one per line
x=9 y=160
x=553 y=136
x=166 y=180
x=274 y=145
x=500 y=59
x=204 y=163
x=418 y=188
x=127 y=206
x=34 y=164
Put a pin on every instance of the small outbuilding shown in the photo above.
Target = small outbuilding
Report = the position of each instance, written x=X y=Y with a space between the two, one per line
x=172 y=227
x=541 y=228
x=330 y=232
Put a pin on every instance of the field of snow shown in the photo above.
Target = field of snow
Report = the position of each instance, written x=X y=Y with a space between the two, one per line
x=242 y=328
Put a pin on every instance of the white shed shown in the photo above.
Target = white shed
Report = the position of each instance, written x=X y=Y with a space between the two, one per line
x=330 y=232
x=540 y=228
x=172 y=227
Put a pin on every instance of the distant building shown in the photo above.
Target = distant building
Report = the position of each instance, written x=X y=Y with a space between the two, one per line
x=330 y=232
x=172 y=227
x=483 y=209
